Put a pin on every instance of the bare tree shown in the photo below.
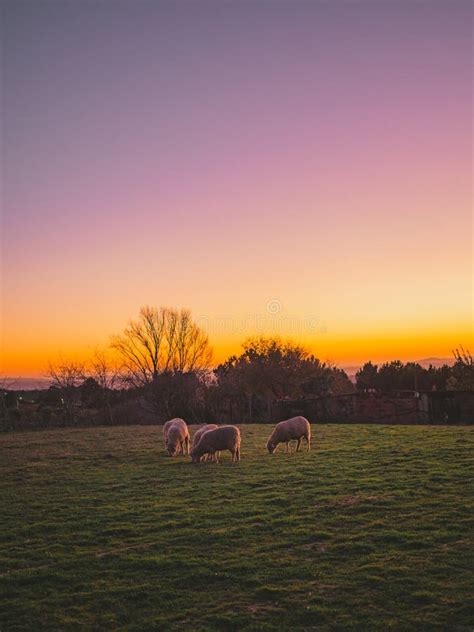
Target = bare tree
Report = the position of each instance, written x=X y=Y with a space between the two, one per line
x=162 y=340
x=190 y=345
x=108 y=377
x=67 y=375
x=463 y=370
x=463 y=356
x=140 y=344
x=105 y=373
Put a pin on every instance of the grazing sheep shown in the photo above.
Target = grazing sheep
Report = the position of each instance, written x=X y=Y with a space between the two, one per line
x=198 y=434
x=166 y=426
x=177 y=437
x=200 y=431
x=213 y=441
x=286 y=431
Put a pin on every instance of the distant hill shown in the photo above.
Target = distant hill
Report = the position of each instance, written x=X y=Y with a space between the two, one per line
x=435 y=362
x=26 y=383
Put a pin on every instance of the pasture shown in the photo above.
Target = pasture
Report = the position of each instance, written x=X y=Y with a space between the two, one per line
x=371 y=530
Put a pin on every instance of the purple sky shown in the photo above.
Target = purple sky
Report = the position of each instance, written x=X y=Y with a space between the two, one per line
x=222 y=155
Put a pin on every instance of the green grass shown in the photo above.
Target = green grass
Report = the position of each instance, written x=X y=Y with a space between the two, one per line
x=372 y=530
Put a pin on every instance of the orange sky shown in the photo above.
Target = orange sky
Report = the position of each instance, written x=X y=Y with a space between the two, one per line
x=28 y=355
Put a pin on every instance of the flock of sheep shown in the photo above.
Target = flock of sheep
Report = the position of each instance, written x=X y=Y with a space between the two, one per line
x=210 y=440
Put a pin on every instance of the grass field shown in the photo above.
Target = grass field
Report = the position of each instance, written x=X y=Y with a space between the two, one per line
x=372 y=530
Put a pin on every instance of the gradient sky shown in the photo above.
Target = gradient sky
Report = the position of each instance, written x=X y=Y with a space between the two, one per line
x=294 y=167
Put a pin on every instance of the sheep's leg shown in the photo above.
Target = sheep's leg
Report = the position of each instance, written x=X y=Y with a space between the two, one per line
x=237 y=453
x=187 y=446
x=298 y=445
x=308 y=441
x=287 y=447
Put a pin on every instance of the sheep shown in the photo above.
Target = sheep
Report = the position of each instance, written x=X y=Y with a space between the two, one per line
x=198 y=434
x=166 y=426
x=213 y=441
x=200 y=431
x=285 y=431
x=177 y=437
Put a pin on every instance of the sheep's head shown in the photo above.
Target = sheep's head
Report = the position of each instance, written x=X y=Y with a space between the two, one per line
x=172 y=449
x=195 y=457
x=271 y=446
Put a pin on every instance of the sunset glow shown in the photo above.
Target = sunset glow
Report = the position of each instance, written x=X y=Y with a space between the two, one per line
x=301 y=169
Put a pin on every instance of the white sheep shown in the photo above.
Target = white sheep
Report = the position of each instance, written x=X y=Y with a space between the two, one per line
x=166 y=426
x=198 y=434
x=286 y=431
x=213 y=441
x=200 y=431
x=177 y=437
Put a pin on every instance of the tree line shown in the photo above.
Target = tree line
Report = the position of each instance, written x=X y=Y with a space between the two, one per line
x=164 y=360
x=162 y=366
x=397 y=376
